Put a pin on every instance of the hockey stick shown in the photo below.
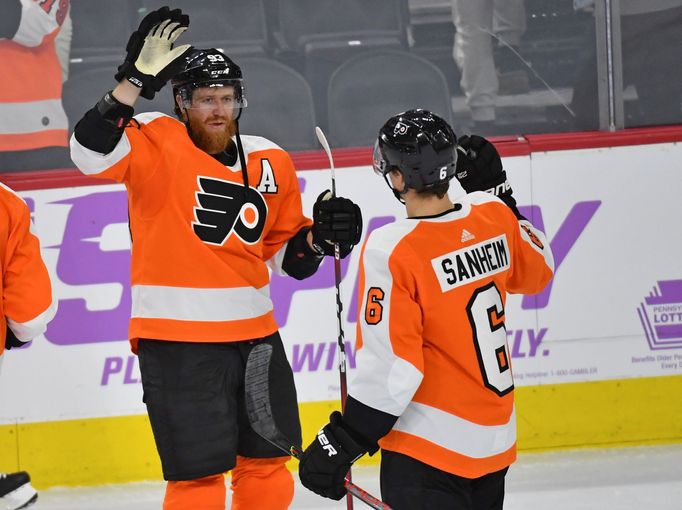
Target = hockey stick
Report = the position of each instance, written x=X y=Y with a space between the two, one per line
x=259 y=412
x=337 y=277
x=339 y=306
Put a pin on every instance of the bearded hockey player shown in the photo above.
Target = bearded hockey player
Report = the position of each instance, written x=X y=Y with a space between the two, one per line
x=208 y=210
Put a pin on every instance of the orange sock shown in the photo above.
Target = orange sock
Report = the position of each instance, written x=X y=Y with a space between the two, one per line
x=265 y=484
x=206 y=493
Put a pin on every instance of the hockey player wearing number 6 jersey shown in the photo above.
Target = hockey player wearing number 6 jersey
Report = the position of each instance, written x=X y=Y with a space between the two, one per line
x=210 y=210
x=433 y=385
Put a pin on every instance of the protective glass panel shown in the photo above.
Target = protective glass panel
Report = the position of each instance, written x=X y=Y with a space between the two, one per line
x=651 y=34
x=492 y=67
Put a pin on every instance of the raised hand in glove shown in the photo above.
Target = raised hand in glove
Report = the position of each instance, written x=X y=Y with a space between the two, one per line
x=335 y=220
x=325 y=463
x=151 y=59
x=479 y=168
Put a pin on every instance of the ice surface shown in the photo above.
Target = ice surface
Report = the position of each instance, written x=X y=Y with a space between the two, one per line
x=636 y=478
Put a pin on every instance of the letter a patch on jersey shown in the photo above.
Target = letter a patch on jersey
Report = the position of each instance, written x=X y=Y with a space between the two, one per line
x=267 y=183
x=221 y=210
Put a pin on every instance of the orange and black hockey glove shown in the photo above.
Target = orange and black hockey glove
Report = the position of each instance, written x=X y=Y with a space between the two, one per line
x=335 y=220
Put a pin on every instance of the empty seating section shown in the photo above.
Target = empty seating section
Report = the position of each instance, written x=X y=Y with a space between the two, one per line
x=368 y=89
x=280 y=104
x=307 y=23
x=100 y=30
x=235 y=26
x=345 y=65
x=84 y=88
x=319 y=35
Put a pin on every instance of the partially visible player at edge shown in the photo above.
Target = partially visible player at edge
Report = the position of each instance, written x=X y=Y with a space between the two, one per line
x=208 y=209
x=433 y=385
x=26 y=307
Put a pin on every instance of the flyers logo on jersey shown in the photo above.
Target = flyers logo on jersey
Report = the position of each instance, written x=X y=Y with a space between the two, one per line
x=221 y=210
x=534 y=238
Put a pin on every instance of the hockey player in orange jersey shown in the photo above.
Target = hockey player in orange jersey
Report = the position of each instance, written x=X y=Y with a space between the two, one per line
x=208 y=209
x=25 y=309
x=433 y=387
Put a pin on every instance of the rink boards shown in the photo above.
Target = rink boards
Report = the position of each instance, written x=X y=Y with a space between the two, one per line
x=597 y=356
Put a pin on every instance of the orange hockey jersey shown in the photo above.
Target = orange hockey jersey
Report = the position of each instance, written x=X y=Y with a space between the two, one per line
x=432 y=345
x=27 y=304
x=198 y=258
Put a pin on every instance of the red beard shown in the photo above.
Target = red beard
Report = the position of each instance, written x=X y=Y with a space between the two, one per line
x=210 y=141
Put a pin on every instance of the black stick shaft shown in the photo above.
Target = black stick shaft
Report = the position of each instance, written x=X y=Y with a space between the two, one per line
x=343 y=382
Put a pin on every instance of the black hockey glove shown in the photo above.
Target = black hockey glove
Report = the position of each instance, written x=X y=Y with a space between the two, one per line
x=335 y=220
x=151 y=59
x=11 y=340
x=479 y=168
x=325 y=463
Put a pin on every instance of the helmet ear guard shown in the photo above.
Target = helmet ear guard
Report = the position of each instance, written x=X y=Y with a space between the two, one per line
x=421 y=145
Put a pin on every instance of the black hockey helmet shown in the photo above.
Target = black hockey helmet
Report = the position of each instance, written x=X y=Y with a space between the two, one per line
x=421 y=145
x=208 y=68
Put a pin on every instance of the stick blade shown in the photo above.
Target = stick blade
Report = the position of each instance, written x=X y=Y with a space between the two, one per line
x=257 y=390
x=257 y=396
x=322 y=139
x=259 y=412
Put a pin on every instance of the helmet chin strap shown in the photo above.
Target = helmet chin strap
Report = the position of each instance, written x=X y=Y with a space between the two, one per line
x=242 y=158
x=185 y=121
x=397 y=194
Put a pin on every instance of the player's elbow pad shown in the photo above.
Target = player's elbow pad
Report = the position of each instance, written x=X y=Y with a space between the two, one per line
x=102 y=126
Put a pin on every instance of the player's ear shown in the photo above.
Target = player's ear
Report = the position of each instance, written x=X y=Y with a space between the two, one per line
x=397 y=178
x=180 y=108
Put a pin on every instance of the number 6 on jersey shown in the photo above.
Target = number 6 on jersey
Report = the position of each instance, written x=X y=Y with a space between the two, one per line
x=486 y=315
x=374 y=310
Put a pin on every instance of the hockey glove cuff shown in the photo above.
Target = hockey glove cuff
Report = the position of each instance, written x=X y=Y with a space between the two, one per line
x=11 y=340
x=300 y=261
x=335 y=220
x=325 y=463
